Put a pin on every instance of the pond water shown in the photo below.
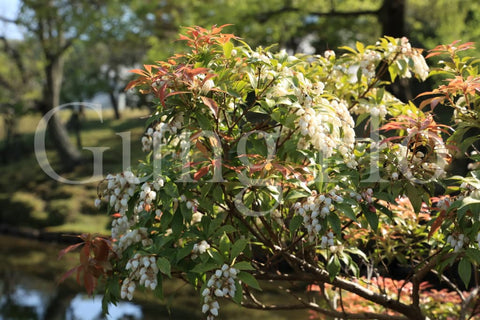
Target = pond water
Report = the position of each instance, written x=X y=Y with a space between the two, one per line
x=29 y=271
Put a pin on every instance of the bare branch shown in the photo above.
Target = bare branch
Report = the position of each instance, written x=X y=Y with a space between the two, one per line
x=317 y=274
x=422 y=273
x=466 y=303
x=8 y=20
x=313 y=306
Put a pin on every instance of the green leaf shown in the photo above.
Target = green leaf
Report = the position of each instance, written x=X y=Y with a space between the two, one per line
x=360 y=47
x=346 y=209
x=372 y=217
x=225 y=245
x=204 y=267
x=159 y=288
x=171 y=189
x=295 y=194
x=225 y=229
x=333 y=267
x=183 y=252
x=473 y=254
x=295 y=223
x=468 y=203
x=465 y=271
x=243 y=265
x=249 y=280
x=203 y=121
x=164 y=266
x=335 y=223
x=415 y=196
x=348 y=49
x=177 y=223
x=216 y=256
x=227 y=49
x=238 y=248
x=238 y=293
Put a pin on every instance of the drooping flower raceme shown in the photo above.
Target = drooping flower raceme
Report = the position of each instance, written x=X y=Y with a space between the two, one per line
x=221 y=284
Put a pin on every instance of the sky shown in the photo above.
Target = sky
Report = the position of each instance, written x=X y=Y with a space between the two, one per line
x=8 y=9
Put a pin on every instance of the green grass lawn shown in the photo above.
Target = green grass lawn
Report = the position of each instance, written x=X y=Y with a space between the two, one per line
x=29 y=197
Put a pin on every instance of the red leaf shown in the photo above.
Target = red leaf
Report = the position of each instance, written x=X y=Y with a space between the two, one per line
x=202 y=148
x=212 y=105
x=101 y=249
x=67 y=274
x=90 y=282
x=68 y=249
x=85 y=255
x=139 y=71
x=437 y=223
x=200 y=173
x=433 y=54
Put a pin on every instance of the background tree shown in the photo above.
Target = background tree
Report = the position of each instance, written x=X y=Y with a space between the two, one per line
x=56 y=25
x=19 y=87
x=101 y=64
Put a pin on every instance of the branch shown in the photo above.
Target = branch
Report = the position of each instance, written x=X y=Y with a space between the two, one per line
x=317 y=274
x=473 y=295
x=8 y=20
x=259 y=305
x=267 y=15
x=422 y=273
x=313 y=306
x=13 y=52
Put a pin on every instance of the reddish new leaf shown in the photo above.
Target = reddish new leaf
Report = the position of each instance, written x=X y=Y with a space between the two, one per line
x=200 y=173
x=89 y=282
x=68 y=249
x=68 y=274
x=202 y=148
x=437 y=223
x=212 y=105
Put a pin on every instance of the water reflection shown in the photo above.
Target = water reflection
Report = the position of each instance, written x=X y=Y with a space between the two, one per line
x=86 y=308
x=27 y=297
x=23 y=297
x=29 y=271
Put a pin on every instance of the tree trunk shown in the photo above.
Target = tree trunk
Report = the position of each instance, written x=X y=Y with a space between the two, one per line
x=392 y=18
x=114 y=102
x=69 y=155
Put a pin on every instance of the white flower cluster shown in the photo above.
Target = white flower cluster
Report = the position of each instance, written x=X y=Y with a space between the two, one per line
x=456 y=242
x=142 y=269
x=199 y=248
x=328 y=240
x=327 y=128
x=148 y=194
x=368 y=63
x=131 y=237
x=192 y=205
x=153 y=136
x=118 y=191
x=375 y=110
x=405 y=52
x=314 y=208
x=220 y=284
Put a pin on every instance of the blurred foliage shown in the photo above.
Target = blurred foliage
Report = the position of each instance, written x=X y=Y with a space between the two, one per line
x=117 y=34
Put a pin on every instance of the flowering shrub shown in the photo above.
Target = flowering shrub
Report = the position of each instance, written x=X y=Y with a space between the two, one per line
x=257 y=160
